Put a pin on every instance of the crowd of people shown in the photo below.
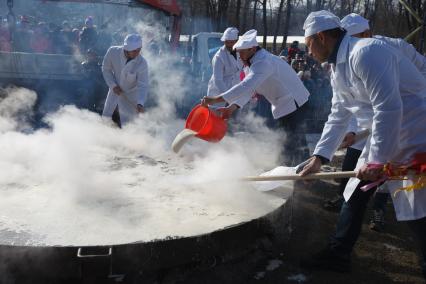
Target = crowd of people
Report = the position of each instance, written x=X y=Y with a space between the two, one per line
x=28 y=34
x=313 y=74
x=32 y=36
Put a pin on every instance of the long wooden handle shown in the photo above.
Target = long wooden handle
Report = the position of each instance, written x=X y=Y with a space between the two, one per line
x=129 y=101
x=327 y=175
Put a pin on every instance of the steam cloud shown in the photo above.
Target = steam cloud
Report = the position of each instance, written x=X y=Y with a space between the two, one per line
x=82 y=181
x=123 y=185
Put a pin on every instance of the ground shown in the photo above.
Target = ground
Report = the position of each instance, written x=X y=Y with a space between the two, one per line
x=388 y=257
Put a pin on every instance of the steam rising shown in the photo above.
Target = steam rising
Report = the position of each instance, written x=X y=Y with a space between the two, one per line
x=16 y=109
x=82 y=181
x=86 y=182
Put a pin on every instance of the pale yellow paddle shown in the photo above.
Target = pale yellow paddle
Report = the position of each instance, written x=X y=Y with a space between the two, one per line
x=325 y=175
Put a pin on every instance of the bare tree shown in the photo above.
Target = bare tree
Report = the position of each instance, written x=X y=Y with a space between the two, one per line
x=277 y=26
x=217 y=11
x=222 y=13
x=287 y=24
x=332 y=5
x=255 y=12
x=265 y=22
x=245 y=13
x=308 y=6
x=387 y=17
x=237 y=14
x=319 y=5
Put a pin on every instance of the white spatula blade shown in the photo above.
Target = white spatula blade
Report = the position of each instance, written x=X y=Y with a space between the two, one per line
x=271 y=185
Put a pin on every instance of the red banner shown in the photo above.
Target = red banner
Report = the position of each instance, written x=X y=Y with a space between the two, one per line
x=170 y=6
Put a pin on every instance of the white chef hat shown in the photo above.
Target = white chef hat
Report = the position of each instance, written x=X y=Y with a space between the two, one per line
x=132 y=42
x=320 y=21
x=355 y=24
x=230 y=34
x=247 y=40
x=89 y=21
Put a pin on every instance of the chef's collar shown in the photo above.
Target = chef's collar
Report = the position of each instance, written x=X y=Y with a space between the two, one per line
x=249 y=60
x=128 y=59
x=332 y=59
x=233 y=53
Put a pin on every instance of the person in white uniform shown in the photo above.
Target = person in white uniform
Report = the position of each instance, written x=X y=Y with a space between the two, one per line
x=126 y=73
x=386 y=93
x=358 y=26
x=267 y=75
x=270 y=76
x=226 y=65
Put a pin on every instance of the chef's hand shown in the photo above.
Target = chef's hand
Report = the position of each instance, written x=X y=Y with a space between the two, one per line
x=117 y=90
x=370 y=173
x=348 y=141
x=206 y=101
x=140 y=108
x=226 y=112
x=313 y=166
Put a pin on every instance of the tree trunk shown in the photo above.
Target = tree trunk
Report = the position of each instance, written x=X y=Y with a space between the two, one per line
x=319 y=5
x=286 y=25
x=342 y=11
x=265 y=22
x=192 y=25
x=254 y=13
x=277 y=27
x=211 y=13
x=367 y=8
x=374 y=14
x=245 y=13
x=308 y=6
x=400 y=16
x=237 y=14
x=222 y=14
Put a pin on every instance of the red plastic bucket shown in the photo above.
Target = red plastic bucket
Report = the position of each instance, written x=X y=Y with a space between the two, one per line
x=206 y=123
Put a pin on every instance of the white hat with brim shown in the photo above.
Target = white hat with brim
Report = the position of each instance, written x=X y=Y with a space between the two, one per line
x=320 y=21
x=230 y=34
x=355 y=24
x=132 y=42
x=247 y=40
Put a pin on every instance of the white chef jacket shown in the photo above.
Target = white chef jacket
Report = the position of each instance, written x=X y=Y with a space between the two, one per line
x=387 y=94
x=273 y=78
x=408 y=51
x=353 y=127
x=131 y=77
x=226 y=72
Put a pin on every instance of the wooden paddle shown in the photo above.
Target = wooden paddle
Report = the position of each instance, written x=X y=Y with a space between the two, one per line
x=274 y=179
x=132 y=104
x=325 y=175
